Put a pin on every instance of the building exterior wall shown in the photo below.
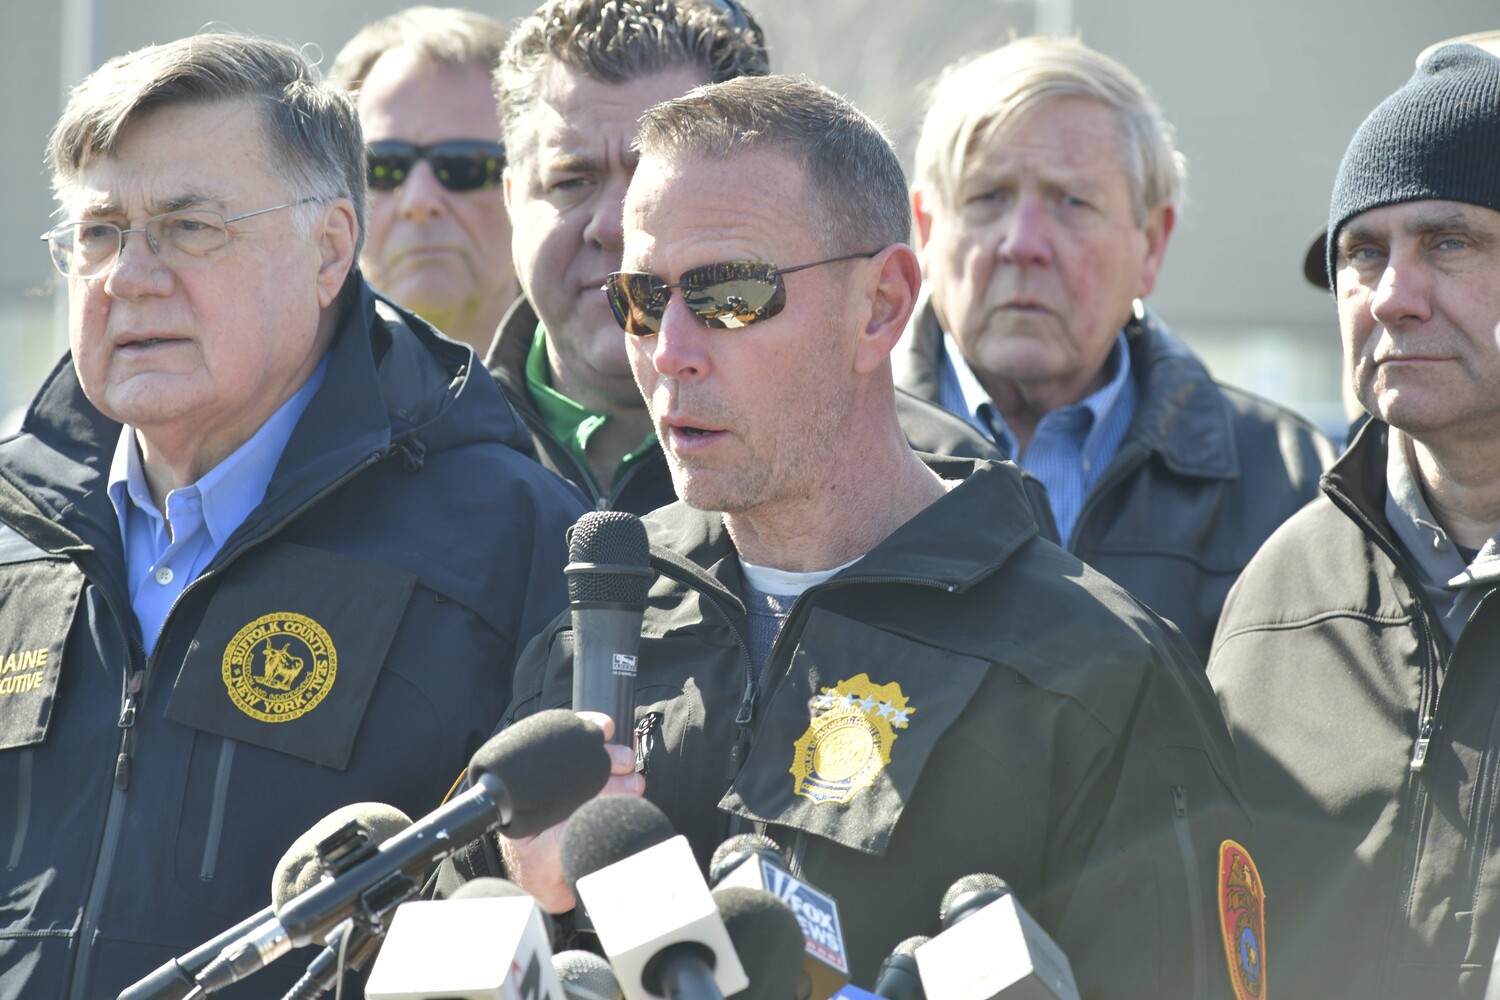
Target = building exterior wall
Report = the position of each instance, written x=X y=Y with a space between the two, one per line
x=1264 y=96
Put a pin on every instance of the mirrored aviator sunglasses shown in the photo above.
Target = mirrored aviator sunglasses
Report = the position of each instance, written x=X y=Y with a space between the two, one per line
x=724 y=296
x=458 y=164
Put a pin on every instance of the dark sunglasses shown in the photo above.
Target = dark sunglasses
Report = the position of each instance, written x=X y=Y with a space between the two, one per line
x=723 y=296
x=459 y=164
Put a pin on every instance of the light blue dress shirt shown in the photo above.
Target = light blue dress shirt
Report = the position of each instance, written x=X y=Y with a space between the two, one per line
x=164 y=554
x=1072 y=445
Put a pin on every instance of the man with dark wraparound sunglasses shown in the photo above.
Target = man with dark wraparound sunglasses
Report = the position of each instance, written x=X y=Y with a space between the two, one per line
x=873 y=654
x=439 y=237
x=574 y=78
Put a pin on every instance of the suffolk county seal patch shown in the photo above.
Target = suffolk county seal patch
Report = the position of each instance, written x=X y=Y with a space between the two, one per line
x=1242 y=918
x=849 y=740
x=279 y=667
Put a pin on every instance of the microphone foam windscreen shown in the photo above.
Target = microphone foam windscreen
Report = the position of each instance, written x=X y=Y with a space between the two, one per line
x=585 y=976
x=768 y=939
x=550 y=763
x=910 y=945
x=728 y=855
x=608 y=829
x=970 y=893
x=487 y=888
x=300 y=868
x=609 y=559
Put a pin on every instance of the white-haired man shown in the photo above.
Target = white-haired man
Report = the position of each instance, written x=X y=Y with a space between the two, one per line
x=1045 y=194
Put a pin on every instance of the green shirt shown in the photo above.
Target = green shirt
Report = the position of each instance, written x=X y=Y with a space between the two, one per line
x=570 y=423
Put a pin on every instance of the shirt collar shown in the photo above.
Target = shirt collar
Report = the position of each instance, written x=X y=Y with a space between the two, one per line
x=230 y=490
x=1435 y=553
x=1098 y=403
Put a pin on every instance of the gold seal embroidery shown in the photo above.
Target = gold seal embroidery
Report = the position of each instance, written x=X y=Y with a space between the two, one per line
x=1242 y=919
x=848 y=742
x=279 y=667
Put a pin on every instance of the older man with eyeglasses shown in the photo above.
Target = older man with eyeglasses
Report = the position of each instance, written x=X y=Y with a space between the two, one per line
x=872 y=655
x=267 y=545
x=439 y=238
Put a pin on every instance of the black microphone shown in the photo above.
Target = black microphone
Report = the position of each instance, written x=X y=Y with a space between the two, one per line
x=768 y=938
x=334 y=844
x=991 y=948
x=648 y=902
x=298 y=869
x=526 y=779
x=609 y=574
x=585 y=976
x=755 y=861
x=898 y=978
x=174 y=979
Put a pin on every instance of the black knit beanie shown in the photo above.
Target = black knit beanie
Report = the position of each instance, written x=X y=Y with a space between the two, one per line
x=1438 y=137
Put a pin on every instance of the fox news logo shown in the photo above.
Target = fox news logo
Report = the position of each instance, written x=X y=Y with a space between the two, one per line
x=816 y=912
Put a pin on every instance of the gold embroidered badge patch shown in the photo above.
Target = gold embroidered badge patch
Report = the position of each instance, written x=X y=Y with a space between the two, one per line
x=279 y=667
x=848 y=742
x=1242 y=919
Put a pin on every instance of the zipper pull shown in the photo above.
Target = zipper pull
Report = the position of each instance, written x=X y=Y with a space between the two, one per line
x=122 y=771
x=1419 y=752
x=133 y=685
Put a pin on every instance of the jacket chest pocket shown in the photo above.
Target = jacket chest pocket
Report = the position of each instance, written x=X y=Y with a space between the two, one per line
x=38 y=598
x=843 y=740
x=288 y=652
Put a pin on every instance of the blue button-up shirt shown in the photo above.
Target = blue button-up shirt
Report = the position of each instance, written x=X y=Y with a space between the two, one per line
x=1072 y=444
x=164 y=554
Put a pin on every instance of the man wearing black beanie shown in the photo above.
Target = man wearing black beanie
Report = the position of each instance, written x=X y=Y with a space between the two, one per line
x=1355 y=660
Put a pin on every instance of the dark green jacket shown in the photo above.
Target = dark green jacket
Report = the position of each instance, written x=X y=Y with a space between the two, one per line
x=1204 y=475
x=1058 y=734
x=1330 y=664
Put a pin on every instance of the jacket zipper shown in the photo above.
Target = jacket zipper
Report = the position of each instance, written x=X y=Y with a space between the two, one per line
x=130 y=702
x=1127 y=459
x=1195 y=889
x=1484 y=800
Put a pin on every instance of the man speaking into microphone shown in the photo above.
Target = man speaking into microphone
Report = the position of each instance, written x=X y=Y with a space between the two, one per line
x=870 y=653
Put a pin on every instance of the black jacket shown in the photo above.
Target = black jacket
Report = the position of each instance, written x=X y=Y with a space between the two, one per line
x=1056 y=733
x=647 y=485
x=1331 y=666
x=376 y=598
x=1204 y=475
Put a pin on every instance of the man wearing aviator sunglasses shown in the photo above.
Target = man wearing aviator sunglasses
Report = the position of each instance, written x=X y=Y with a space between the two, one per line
x=874 y=653
x=575 y=77
x=439 y=236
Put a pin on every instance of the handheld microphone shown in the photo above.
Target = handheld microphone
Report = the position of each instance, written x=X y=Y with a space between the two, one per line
x=298 y=869
x=992 y=948
x=755 y=861
x=585 y=976
x=609 y=574
x=767 y=937
x=899 y=978
x=651 y=908
x=526 y=779
x=488 y=941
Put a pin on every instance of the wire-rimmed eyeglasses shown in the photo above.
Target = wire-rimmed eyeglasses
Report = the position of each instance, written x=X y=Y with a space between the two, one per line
x=90 y=248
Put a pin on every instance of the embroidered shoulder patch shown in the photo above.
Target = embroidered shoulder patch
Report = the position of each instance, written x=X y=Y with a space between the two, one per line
x=279 y=667
x=849 y=738
x=1242 y=919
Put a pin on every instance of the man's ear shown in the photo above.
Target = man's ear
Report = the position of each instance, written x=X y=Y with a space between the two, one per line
x=1157 y=230
x=337 y=233
x=897 y=284
x=921 y=217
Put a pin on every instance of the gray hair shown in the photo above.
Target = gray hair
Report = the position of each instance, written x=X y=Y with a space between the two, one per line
x=975 y=101
x=616 y=41
x=445 y=35
x=317 y=147
x=852 y=172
